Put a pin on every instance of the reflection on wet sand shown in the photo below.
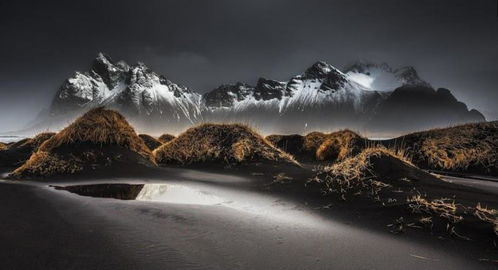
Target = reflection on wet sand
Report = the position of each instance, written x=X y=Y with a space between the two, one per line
x=117 y=191
x=167 y=193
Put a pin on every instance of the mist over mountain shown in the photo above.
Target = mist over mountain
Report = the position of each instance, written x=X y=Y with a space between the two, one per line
x=368 y=97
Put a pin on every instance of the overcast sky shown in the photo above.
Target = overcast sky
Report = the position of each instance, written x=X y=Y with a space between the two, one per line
x=202 y=44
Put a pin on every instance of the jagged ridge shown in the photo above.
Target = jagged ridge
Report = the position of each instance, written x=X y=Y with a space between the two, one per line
x=322 y=97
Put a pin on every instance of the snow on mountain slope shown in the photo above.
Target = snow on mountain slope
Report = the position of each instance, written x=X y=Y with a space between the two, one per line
x=365 y=97
x=304 y=101
x=320 y=84
x=134 y=90
x=382 y=77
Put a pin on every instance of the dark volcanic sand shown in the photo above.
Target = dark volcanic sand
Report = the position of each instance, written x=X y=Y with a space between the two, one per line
x=252 y=226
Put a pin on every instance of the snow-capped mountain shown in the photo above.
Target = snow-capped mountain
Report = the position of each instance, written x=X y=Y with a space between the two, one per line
x=320 y=84
x=135 y=90
x=368 y=97
x=364 y=97
x=322 y=95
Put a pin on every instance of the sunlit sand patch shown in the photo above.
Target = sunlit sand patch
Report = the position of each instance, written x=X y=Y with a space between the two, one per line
x=270 y=208
x=178 y=194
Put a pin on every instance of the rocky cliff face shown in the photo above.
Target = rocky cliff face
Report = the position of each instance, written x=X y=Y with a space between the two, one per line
x=142 y=95
x=365 y=97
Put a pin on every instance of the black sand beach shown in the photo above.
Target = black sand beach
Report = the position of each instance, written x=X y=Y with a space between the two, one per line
x=227 y=219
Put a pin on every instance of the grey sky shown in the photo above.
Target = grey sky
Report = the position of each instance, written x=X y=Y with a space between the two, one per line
x=202 y=44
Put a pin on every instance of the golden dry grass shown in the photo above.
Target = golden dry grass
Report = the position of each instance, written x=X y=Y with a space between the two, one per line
x=340 y=145
x=226 y=143
x=320 y=146
x=151 y=142
x=3 y=146
x=85 y=142
x=466 y=148
x=313 y=140
x=487 y=215
x=444 y=208
x=453 y=212
x=165 y=138
x=364 y=173
x=39 y=139
x=18 y=152
x=99 y=126
x=292 y=144
x=274 y=139
x=45 y=164
x=32 y=144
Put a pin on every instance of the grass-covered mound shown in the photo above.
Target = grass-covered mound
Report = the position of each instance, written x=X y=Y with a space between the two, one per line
x=219 y=143
x=340 y=145
x=318 y=146
x=18 y=152
x=3 y=146
x=151 y=142
x=292 y=144
x=386 y=177
x=302 y=148
x=471 y=148
x=312 y=142
x=368 y=172
x=165 y=138
x=100 y=138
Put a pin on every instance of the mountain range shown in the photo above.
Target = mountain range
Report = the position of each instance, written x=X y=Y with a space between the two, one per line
x=367 y=97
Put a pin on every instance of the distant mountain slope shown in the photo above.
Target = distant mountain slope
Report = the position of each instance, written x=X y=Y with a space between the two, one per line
x=366 y=97
x=321 y=97
x=410 y=108
x=324 y=98
x=382 y=77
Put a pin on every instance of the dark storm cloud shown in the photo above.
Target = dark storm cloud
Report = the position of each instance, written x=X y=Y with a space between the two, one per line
x=203 y=43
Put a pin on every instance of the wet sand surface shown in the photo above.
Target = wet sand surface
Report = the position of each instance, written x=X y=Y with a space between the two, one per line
x=490 y=185
x=222 y=222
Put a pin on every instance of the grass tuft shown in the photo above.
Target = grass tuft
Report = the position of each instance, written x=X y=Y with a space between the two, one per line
x=366 y=173
x=469 y=148
x=320 y=146
x=487 y=215
x=151 y=142
x=339 y=145
x=165 y=138
x=443 y=207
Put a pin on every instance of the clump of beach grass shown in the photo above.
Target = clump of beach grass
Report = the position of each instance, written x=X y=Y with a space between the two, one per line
x=18 y=152
x=220 y=143
x=366 y=173
x=97 y=139
x=339 y=145
x=165 y=138
x=151 y=142
x=465 y=148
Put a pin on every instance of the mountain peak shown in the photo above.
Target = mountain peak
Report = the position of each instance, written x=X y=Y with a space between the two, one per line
x=319 y=69
x=383 y=77
x=109 y=72
x=410 y=76
x=102 y=57
x=363 y=66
